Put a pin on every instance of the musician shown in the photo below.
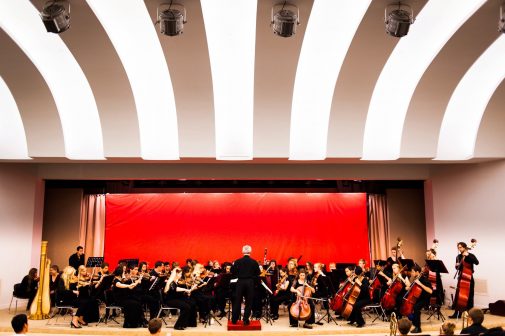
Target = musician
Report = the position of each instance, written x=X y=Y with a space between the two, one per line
x=247 y=271
x=296 y=289
x=321 y=284
x=362 y=300
x=405 y=282
x=281 y=293
x=222 y=288
x=122 y=290
x=66 y=293
x=141 y=291
x=309 y=267
x=437 y=286
x=156 y=283
x=87 y=306
x=28 y=287
x=77 y=259
x=54 y=280
x=366 y=270
x=333 y=275
x=470 y=260
x=393 y=258
x=425 y=284
x=203 y=301
x=178 y=297
x=216 y=267
x=292 y=270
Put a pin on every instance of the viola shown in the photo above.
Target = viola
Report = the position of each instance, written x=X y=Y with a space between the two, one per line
x=279 y=284
x=300 y=310
x=351 y=298
x=410 y=298
x=337 y=302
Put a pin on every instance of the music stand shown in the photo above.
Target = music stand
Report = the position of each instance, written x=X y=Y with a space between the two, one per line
x=407 y=263
x=436 y=266
x=266 y=304
x=94 y=262
x=326 y=304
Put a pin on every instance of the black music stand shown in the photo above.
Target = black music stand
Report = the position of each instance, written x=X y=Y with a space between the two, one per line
x=94 y=262
x=341 y=276
x=407 y=263
x=326 y=304
x=436 y=266
x=265 y=313
x=130 y=262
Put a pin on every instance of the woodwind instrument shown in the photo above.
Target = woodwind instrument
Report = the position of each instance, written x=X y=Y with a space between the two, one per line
x=41 y=304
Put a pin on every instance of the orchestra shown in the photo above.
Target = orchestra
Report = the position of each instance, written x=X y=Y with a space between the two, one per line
x=201 y=292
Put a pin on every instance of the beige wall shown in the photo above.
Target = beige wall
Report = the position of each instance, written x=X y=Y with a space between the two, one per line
x=62 y=214
x=407 y=220
x=468 y=202
x=21 y=197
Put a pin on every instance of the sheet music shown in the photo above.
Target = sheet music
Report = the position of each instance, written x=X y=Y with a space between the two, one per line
x=266 y=287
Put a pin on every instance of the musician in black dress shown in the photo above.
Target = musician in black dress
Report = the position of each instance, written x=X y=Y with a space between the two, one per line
x=362 y=300
x=28 y=287
x=281 y=293
x=436 y=283
x=222 y=288
x=132 y=309
x=321 y=284
x=297 y=288
x=178 y=297
x=464 y=259
x=247 y=271
x=156 y=284
x=423 y=300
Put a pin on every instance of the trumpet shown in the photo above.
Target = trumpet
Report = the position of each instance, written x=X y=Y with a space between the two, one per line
x=393 y=324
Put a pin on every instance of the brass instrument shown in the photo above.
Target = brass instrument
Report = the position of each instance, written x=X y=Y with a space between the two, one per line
x=464 y=320
x=393 y=324
x=41 y=304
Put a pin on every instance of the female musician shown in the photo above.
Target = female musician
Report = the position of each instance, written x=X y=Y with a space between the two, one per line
x=320 y=283
x=292 y=270
x=435 y=278
x=222 y=288
x=204 y=301
x=87 y=306
x=133 y=314
x=464 y=260
x=66 y=294
x=393 y=258
x=28 y=287
x=175 y=296
x=309 y=267
x=300 y=282
x=424 y=283
x=281 y=293
x=54 y=279
x=366 y=270
x=397 y=276
x=362 y=300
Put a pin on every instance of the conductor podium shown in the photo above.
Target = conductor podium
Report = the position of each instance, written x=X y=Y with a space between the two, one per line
x=239 y=326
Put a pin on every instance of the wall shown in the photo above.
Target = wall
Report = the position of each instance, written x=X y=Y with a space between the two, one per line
x=21 y=198
x=468 y=203
x=62 y=215
x=407 y=220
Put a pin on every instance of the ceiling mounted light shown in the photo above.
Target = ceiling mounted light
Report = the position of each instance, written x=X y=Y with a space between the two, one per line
x=171 y=18
x=501 y=23
x=284 y=19
x=55 y=16
x=398 y=20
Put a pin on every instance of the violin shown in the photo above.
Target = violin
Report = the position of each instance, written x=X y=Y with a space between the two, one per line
x=279 y=284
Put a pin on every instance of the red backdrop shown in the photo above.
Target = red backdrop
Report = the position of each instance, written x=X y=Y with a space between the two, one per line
x=320 y=226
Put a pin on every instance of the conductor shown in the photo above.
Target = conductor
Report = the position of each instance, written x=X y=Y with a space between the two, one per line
x=247 y=271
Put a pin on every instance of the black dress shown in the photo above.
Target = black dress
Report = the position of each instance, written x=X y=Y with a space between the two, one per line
x=132 y=309
x=362 y=300
x=187 y=307
x=470 y=259
x=292 y=319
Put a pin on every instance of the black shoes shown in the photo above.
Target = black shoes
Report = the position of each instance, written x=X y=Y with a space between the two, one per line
x=233 y=321
x=416 y=330
x=360 y=325
x=72 y=325
x=455 y=315
x=179 y=328
x=293 y=325
x=307 y=326
x=246 y=323
x=319 y=323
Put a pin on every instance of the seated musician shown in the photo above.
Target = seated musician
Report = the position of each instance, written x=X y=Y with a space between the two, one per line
x=87 y=306
x=177 y=297
x=222 y=288
x=141 y=291
x=366 y=270
x=424 y=283
x=321 y=284
x=28 y=287
x=281 y=293
x=296 y=290
x=54 y=280
x=156 y=283
x=204 y=301
x=123 y=295
x=66 y=293
x=362 y=300
x=405 y=282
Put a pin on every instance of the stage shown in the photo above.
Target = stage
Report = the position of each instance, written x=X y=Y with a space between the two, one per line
x=278 y=328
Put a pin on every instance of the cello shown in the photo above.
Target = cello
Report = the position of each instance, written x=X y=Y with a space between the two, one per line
x=351 y=298
x=300 y=310
x=337 y=302
x=464 y=281
x=388 y=301
x=410 y=298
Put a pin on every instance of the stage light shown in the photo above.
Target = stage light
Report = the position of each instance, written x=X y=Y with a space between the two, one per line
x=398 y=20
x=284 y=20
x=501 y=23
x=55 y=16
x=171 y=18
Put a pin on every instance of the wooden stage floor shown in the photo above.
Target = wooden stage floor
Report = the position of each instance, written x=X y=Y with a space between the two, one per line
x=278 y=328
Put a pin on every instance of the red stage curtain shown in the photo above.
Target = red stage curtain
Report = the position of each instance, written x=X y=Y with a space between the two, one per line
x=322 y=227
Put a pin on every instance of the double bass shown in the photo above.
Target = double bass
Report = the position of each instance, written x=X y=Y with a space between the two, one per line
x=388 y=301
x=300 y=310
x=464 y=281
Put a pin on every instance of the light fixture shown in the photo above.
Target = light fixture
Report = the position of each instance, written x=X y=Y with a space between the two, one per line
x=398 y=20
x=501 y=23
x=55 y=16
x=171 y=18
x=285 y=19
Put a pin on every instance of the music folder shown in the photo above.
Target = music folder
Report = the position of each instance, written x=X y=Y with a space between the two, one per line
x=94 y=262
x=437 y=266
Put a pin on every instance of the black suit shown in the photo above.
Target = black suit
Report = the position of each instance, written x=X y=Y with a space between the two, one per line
x=247 y=271
x=75 y=261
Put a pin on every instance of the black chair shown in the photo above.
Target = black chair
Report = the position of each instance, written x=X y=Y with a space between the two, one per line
x=16 y=296
x=110 y=306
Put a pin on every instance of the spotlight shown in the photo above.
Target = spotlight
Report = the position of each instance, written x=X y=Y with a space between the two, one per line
x=285 y=19
x=398 y=20
x=501 y=23
x=171 y=18
x=55 y=16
